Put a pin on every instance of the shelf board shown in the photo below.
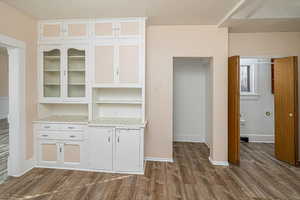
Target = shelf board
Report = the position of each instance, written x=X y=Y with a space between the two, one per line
x=51 y=84
x=52 y=57
x=76 y=56
x=117 y=85
x=51 y=70
x=119 y=102
x=76 y=84
x=76 y=70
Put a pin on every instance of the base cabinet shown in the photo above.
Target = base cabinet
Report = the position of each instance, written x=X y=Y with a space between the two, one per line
x=100 y=148
x=128 y=150
x=95 y=148
x=116 y=149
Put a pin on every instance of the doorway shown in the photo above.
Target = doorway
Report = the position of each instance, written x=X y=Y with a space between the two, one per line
x=4 y=110
x=191 y=99
x=17 y=163
x=263 y=106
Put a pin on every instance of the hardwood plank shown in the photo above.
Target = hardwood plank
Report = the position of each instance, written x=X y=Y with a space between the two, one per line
x=190 y=177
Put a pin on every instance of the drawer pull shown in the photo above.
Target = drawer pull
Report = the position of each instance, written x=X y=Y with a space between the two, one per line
x=109 y=139
x=71 y=127
x=47 y=127
x=44 y=135
x=72 y=136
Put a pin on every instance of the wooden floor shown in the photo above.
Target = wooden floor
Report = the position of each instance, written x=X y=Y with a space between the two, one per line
x=191 y=177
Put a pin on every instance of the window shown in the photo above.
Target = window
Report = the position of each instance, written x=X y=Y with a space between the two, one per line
x=248 y=80
x=245 y=78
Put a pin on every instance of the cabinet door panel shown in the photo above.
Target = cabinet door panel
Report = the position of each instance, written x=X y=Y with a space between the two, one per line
x=76 y=76
x=51 y=61
x=77 y=30
x=129 y=28
x=51 y=30
x=72 y=153
x=101 y=148
x=129 y=64
x=104 y=64
x=103 y=29
x=48 y=153
x=128 y=150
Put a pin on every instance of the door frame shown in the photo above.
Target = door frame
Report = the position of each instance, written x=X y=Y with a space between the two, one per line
x=17 y=163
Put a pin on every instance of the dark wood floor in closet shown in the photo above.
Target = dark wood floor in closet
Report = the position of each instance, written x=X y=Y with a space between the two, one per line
x=191 y=176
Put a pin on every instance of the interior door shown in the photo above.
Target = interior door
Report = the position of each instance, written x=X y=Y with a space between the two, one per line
x=234 y=110
x=286 y=109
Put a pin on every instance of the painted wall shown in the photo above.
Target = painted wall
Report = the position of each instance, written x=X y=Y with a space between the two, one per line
x=190 y=99
x=164 y=43
x=22 y=27
x=3 y=83
x=265 y=44
x=258 y=126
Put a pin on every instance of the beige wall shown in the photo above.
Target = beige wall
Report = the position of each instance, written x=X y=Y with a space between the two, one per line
x=164 y=43
x=266 y=44
x=22 y=27
x=3 y=72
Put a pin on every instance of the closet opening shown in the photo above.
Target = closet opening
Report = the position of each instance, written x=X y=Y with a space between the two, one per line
x=192 y=102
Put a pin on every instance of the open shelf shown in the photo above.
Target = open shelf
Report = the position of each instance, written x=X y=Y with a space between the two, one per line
x=54 y=109
x=119 y=101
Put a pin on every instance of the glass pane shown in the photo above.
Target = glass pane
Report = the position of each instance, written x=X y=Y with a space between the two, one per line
x=52 y=73
x=76 y=73
x=245 y=78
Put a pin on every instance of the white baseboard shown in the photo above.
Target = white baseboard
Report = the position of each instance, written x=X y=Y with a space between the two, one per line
x=28 y=165
x=221 y=163
x=188 y=138
x=156 y=159
x=259 y=138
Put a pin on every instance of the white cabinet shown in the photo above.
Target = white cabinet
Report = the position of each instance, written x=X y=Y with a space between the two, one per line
x=63 y=73
x=48 y=153
x=128 y=150
x=101 y=148
x=65 y=29
x=59 y=145
x=117 y=63
x=116 y=149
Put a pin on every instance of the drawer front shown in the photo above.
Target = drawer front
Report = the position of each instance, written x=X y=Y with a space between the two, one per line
x=59 y=127
x=71 y=136
x=129 y=131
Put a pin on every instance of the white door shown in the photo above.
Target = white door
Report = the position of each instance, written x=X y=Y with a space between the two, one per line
x=101 y=148
x=128 y=150
x=49 y=153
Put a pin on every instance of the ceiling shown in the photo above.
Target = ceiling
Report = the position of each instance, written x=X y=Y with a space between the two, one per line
x=159 y=12
x=266 y=16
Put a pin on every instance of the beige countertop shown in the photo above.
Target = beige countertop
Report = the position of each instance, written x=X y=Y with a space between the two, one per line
x=97 y=122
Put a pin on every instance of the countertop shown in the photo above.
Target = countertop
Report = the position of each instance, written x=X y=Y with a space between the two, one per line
x=98 y=122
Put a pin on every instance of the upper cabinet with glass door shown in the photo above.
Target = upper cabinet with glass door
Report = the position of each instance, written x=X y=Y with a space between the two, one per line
x=51 y=73
x=63 y=74
x=76 y=73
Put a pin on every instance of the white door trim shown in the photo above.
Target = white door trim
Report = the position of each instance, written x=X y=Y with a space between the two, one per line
x=17 y=163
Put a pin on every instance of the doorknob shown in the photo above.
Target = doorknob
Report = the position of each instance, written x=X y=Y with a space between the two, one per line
x=290 y=114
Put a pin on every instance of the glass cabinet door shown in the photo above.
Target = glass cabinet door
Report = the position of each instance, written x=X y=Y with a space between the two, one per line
x=52 y=73
x=76 y=73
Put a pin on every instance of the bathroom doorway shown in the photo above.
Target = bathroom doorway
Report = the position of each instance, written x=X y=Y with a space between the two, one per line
x=263 y=108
